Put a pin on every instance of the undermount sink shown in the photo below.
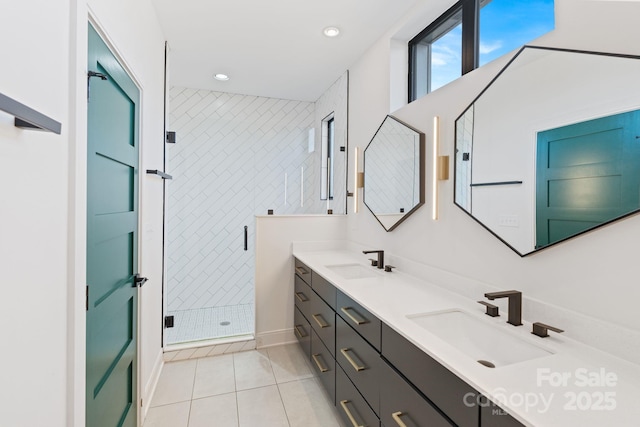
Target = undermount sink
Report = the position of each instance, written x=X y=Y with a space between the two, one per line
x=353 y=271
x=484 y=343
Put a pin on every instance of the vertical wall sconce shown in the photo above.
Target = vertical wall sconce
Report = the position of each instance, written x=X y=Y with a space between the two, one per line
x=440 y=167
x=358 y=180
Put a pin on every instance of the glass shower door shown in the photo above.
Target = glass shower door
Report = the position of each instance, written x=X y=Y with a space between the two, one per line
x=210 y=253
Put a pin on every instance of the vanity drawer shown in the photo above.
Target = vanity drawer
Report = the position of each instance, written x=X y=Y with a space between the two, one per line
x=324 y=288
x=360 y=361
x=494 y=416
x=303 y=271
x=324 y=365
x=302 y=295
x=360 y=319
x=436 y=382
x=302 y=331
x=401 y=403
x=351 y=405
x=323 y=320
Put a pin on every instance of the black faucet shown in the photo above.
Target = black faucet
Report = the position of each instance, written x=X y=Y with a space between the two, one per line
x=515 y=304
x=380 y=262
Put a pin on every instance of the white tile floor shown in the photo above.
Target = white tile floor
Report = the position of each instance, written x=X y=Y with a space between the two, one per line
x=210 y=322
x=274 y=387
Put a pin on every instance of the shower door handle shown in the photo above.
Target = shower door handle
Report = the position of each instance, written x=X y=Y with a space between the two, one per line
x=246 y=238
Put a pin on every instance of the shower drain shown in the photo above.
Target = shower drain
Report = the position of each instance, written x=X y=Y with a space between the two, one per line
x=225 y=323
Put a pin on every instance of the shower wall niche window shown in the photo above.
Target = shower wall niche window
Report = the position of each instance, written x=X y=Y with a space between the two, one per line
x=327 y=156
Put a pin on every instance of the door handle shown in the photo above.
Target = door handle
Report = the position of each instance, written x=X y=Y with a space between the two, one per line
x=246 y=238
x=138 y=280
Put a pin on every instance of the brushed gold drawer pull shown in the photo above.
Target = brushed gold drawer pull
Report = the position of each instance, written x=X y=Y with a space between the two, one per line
x=300 y=334
x=321 y=322
x=355 y=317
x=343 y=403
x=301 y=297
x=355 y=364
x=301 y=271
x=316 y=358
x=396 y=417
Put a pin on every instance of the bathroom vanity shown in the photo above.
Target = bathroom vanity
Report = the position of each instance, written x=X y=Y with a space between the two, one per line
x=393 y=350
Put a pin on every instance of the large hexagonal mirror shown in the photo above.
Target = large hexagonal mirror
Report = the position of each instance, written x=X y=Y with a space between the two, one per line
x=550 y=149
x=394 y=172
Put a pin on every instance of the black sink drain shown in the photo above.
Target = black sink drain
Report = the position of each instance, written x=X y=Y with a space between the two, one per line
x=486 y=363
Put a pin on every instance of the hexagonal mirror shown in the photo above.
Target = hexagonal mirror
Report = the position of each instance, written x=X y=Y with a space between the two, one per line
x=394 y=172
x=549 y=150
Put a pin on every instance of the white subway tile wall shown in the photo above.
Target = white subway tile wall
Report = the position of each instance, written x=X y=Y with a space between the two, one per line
x=236 y=156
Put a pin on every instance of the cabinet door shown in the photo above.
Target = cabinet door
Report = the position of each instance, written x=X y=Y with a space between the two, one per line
x=302 y=330
x=360 y=361
x=437 y=383
x=324 y=288
x=303 y=271
x=359 y=318
x=324 y=365
x=494 y=416
x=351 y=405
x=401 y=405
x=302 y=296
x=323 y=320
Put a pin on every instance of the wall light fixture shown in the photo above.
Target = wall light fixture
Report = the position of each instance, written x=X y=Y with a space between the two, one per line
x=358 y=180
x=440 y=167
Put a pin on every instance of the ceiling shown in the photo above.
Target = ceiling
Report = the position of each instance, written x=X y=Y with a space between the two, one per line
x=270 y=48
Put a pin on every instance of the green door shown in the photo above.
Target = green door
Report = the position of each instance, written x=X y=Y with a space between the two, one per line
x=112 y=241
x=587 y=174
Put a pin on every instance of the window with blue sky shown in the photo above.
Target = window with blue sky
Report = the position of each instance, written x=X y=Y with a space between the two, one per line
x=436 y=54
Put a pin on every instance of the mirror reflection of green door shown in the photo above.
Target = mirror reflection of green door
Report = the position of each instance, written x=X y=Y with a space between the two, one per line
x=587 y=174
x=112 y=241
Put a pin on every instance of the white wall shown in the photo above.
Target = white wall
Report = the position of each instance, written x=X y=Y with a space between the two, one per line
x=274 y=268
x=42 y=220
x=33 y=215
x=594 y=275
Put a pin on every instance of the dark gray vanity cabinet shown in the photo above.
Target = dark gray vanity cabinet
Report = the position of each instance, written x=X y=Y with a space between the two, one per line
x=324 y=289
x=437 y=383
x=375 y=376
x=314 y=321
x=303 y=271
x=360 y=319
x=360 y=361
x=302 y=330
x=325 y=365
x=401 y=403
x=323 y=321
x=302 y=295
x=352 y=407
x=494 y=416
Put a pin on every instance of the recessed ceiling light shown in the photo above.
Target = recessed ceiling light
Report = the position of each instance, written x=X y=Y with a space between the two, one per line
x=221 y=77
x=331 y=31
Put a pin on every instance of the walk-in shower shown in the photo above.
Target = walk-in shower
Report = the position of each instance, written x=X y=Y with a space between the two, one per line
x=236 y=157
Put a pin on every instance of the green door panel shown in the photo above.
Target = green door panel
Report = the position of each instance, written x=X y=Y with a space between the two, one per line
x=112 y=241
x=587 y=174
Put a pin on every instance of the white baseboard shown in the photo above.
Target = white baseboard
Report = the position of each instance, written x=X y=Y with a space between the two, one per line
x=273 y=338
x=150 y=387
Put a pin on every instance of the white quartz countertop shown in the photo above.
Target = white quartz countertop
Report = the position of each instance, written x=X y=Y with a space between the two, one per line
x=574 y=385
